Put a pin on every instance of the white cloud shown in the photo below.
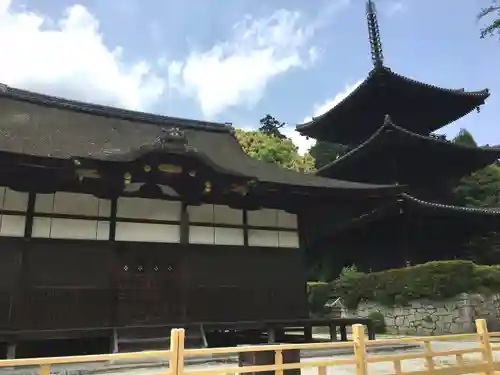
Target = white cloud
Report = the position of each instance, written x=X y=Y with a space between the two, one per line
x=305 y=144
x=394 y=7
x=237 y=71
x=319 y=109
x=68 y=57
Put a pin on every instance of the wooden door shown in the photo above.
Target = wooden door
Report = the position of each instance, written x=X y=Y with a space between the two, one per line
x=148 y=282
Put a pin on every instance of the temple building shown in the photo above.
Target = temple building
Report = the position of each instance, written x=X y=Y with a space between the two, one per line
x=387 y=123
x=118 y=225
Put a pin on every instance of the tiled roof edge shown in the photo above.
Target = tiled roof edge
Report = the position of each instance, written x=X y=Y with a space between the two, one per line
x=112 y=112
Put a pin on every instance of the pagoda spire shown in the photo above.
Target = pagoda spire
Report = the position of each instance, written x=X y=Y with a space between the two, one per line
x=374 y=35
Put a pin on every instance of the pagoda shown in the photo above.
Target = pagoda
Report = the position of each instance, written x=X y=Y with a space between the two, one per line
x=387 y=124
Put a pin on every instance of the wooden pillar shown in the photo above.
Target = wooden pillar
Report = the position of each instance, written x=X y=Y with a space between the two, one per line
x=184 y=225
x=333 y=332
x=271 y=335
x=30 y=212
x=245 y=227
x=11 y=350
x=112 y=219
x=114 y=341
x=343 y=332
x=371 y=331
x=308 y=337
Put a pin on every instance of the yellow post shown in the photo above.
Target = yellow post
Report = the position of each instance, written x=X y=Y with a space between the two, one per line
x=484 y=338
x=429 y=359
x=358 y=336
x=278 y=361
x=174 y=351
x=44 y=369
x=180 y=352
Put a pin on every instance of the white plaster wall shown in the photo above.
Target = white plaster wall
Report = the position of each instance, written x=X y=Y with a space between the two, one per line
x=12 y=225
x=91 y=220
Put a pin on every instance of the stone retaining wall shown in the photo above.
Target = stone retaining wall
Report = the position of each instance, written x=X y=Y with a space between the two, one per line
x=423 y=317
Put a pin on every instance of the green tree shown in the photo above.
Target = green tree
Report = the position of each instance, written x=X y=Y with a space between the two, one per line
x=270 y=126
x=484 y=249
x=481 y=188
x=326 y=152
x=272 y=149
x=491 y=12
x=464 y=138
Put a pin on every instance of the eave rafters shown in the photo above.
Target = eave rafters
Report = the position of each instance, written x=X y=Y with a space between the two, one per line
x=376 y=80
x=382 y=139
x=407 y=204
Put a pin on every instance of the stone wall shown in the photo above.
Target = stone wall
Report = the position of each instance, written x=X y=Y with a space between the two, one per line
x=423 y=317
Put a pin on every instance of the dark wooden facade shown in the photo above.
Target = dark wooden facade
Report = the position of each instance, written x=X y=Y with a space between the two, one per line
x=70 y=284
x=66 y=264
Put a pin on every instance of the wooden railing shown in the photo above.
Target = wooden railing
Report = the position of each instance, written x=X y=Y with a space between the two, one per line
x=482 y=360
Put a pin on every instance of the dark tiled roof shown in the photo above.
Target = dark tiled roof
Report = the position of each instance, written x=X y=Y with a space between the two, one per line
x=44 y=126
x=411 y=205
x=414 y=153
x=418 y=106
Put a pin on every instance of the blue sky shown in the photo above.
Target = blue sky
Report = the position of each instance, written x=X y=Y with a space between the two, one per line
x=236 y=60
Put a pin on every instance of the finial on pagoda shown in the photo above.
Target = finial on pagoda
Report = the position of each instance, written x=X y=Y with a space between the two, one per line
x=374 y=35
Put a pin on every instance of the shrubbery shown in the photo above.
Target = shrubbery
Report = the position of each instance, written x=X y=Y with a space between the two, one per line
x=318 y=294
x=434 y=281
x=378 y=321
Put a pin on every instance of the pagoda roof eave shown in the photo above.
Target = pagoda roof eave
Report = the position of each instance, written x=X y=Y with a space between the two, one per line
x=408 y=203
x=413 y=202
x=390 y=131
x=42 y=126
x=321 y=127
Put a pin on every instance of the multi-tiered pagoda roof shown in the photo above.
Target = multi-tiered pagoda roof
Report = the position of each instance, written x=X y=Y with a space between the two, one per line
x=387 y=123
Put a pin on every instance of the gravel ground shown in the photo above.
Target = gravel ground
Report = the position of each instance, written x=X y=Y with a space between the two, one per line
x=373 y=369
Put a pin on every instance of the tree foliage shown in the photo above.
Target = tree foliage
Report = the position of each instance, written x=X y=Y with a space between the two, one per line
x=492 y=13
x=270 y=126
x=318 y=294
x=268 y=146
x=326 y=152
x=464 y=138
x=481 y=188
